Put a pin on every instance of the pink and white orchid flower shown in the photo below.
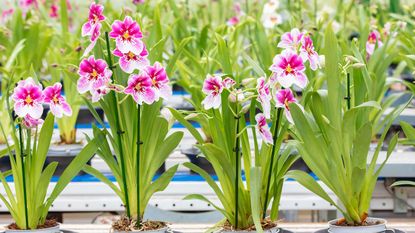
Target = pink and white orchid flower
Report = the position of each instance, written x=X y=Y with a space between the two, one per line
x=263 y=128
x=94 y=74
x=289 y=69
x=283 y=98
x=373 y=41
x=92 y=26
x=30 y=122
x=58 y=105
x=228 y=83
x=233 y=21
x=28 y=99
x=131 y=61
x=213 y=88
x=291 y=40
x=139 y=87
x=99 y=93
x=264 y=96
x=127 y=35
x=159 y=81
x=307 y=52
x=53 y=11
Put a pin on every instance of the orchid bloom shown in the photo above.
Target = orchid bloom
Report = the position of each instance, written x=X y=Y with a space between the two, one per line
x=213 y=88
x=228 y=83
x=136 y=2
x=289 y=69
x=159 y=81
x=283 y=98
x=307 y=52
x=130 y=61
x=233 y=21
x=92 y=26
x=25 y=4
x=270 y=20
x=263 y=128
x=94 y=74
x=58 y=105
x=98 y=93
x=30 y=122
x=139 y=87
x=127 y=35
x=53 y=11
x=264 y=96
x=291 y=40
x=372 y=41
x=6 y=15
x=28 y=99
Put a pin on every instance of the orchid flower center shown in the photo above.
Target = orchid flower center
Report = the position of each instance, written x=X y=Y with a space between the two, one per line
x=126 y=35
x=94 y=73
x=154 y=82
x=130 y=55
x=28 y=100
x=372 y=40
x=55 y=100
x=274 y=19
x=288 y=69
x=96 y=19
x=137 y=87
x=286 y=102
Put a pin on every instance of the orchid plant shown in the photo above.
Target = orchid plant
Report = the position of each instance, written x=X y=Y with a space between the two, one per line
x=29 y=203
x=139 y=137
x=333 y=137
x=245 y=197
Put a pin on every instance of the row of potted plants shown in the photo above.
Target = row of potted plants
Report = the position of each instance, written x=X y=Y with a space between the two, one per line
x=121 y=71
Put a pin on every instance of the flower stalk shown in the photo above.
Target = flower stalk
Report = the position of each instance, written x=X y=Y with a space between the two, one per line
x=237 y=117
x=276 y=129
x=119 y=131
x=23 y=176
x=348 y=98
x=139 y=142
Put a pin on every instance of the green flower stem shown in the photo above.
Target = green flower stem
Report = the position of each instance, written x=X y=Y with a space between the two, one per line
x=348 y=98
x=138 y=165
x=124 y=179
x=276 y=128
x=237 y=165
x=23 y=176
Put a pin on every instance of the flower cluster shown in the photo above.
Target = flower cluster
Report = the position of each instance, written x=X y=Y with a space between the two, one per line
x=29 y=98
x=149 y=85
x=92 y=28
x=238 y=14
x=270 y=18
x=373 y=42
x=288 y=69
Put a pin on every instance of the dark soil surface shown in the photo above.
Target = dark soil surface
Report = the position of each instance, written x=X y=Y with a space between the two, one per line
x=48 y=223
x=126 y=224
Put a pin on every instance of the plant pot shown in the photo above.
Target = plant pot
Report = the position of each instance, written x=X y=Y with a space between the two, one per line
x=272 y=230
x=161 y=230
x=378 y=228
x=192 y=154
x=55 y=229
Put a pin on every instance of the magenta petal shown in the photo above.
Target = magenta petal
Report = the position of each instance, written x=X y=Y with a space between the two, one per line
x=86 y=29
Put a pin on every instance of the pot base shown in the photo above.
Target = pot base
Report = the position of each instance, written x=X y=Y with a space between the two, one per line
x=272 y=230
x=387 y=231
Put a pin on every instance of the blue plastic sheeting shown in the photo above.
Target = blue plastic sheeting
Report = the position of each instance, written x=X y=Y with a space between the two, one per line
x=176 y=125
x=180 y=176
